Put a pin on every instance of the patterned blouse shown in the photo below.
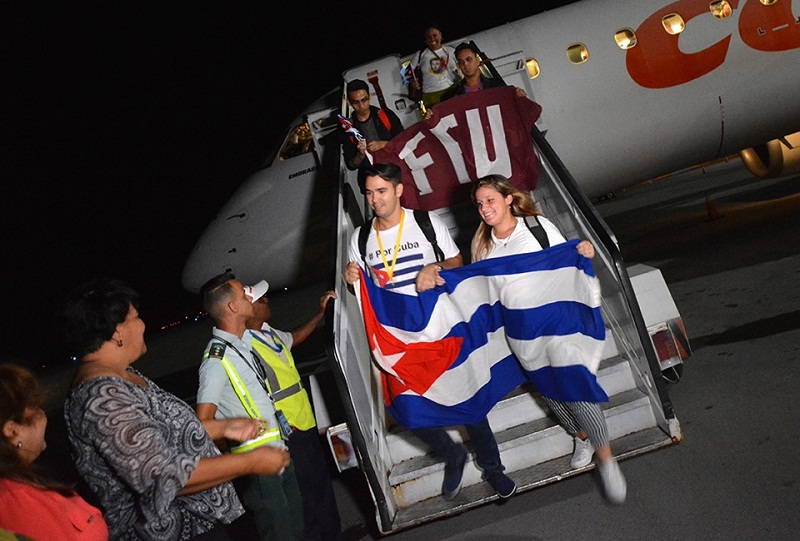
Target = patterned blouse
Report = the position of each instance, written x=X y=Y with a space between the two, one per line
x=136 y=448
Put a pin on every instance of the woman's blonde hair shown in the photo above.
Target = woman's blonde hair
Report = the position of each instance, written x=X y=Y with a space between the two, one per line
x=522 y=205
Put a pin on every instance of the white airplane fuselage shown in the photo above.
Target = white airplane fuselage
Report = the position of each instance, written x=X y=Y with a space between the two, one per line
x=622 y=116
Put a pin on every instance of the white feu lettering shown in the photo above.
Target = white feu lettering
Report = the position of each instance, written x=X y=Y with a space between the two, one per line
x=417 y=164
x=451 y=146
x=502 y=162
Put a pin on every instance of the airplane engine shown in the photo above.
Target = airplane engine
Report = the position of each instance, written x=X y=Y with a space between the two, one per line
x=776 y=158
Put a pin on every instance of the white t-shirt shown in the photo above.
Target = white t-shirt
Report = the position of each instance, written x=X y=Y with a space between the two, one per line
x=522 y=241
x=414 y=252
x=439 y=70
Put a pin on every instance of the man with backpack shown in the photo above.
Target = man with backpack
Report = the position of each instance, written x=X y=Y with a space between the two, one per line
x=405 y=250
x=377 y=126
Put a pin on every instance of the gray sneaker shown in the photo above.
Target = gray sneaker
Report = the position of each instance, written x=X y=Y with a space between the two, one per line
x=614 y=483
x=583 y=453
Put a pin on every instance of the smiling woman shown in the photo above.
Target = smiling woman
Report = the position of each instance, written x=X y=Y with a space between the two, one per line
x=143 y=451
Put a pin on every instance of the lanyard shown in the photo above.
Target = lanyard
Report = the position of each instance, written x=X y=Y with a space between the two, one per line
x=260 y=372
x=276 y=346
x=390 y=270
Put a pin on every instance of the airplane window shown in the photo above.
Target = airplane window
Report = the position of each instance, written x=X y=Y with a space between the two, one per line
x=625 y=38
x=577 y=53
x=298 y=142
x=533 y=67
x=721 y=9
x=673 y=23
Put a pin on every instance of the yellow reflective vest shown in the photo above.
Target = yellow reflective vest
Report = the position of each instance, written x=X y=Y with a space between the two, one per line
x=283 y=380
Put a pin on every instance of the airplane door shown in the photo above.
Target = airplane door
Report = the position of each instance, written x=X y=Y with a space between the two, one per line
x=321 y=123
x=513 y=70
x=386 y=87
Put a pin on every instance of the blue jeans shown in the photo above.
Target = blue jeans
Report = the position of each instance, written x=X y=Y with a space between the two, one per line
x=487 y=455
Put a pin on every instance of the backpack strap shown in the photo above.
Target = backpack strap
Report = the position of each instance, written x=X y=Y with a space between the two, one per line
x=385 y=119
x=363 y=235
x=424 y=221
x=537 y=230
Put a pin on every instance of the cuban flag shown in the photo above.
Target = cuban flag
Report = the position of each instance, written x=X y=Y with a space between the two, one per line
x=349 y=129
x=450 y=354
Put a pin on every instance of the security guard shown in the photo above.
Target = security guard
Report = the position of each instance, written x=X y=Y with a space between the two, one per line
x=291 y=399
x=233 y=383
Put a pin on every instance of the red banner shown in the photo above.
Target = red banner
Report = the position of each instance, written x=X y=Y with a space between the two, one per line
x=467 y=138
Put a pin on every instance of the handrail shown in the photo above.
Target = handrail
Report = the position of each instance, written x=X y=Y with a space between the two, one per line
x=620 y=270
x=359 y=442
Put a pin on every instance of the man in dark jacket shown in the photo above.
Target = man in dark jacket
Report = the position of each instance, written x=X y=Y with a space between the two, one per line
x=469 y=63
x=378 y=126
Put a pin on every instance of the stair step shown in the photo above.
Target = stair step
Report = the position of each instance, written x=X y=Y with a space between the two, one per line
x=535 y=442
x=529 y=478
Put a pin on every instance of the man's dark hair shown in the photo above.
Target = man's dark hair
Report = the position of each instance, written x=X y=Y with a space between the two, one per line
x=387 y=171
x=357 y=84
x=433 y=25
x=466 y=47
x=213 y=291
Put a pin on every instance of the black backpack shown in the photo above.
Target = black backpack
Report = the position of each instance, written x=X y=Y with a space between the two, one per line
x=538 y=231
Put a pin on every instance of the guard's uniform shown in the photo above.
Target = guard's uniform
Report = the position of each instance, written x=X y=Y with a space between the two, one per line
x=274 y=500
x=319 y=503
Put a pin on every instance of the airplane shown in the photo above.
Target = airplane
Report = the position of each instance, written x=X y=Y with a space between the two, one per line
x=630 y=91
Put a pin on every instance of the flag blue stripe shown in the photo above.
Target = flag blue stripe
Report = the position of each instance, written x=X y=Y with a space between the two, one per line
x=568 y=383
x=555 y=319
x=414 y=411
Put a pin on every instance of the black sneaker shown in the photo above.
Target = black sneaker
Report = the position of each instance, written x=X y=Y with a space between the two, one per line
x=454 y=474
x=502 y=484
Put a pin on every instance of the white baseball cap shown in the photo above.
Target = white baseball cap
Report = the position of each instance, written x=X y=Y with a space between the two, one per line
x=256 y=291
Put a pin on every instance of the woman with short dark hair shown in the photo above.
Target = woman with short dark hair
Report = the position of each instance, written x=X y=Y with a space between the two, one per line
x=142 y=450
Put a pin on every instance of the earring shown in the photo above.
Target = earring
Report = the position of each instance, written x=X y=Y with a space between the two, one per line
x=19 y=444
x=119 y=342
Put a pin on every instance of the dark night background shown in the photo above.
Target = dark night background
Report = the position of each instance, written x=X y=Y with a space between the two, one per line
x=126 y=126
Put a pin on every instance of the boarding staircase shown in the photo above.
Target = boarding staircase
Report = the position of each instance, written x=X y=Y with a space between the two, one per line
x=404 y=478
x=534 y=449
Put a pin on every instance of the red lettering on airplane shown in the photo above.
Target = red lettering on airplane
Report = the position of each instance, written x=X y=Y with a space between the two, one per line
x=769 y=28
x=657 y=61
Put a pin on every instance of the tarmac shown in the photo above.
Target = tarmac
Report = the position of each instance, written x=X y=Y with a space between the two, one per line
x=732 y=262
x=729 y=249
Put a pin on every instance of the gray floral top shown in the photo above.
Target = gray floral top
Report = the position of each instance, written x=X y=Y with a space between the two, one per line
x=137 y=448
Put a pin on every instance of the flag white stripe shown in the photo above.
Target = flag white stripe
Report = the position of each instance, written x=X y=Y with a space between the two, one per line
x=465 y=380
x=515 y=292
x=558 y=351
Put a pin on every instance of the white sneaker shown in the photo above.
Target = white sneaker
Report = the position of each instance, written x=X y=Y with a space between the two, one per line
x=583 y=453
x=614 y=483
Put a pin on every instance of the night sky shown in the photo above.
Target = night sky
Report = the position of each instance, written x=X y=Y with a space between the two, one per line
x=126 y=127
